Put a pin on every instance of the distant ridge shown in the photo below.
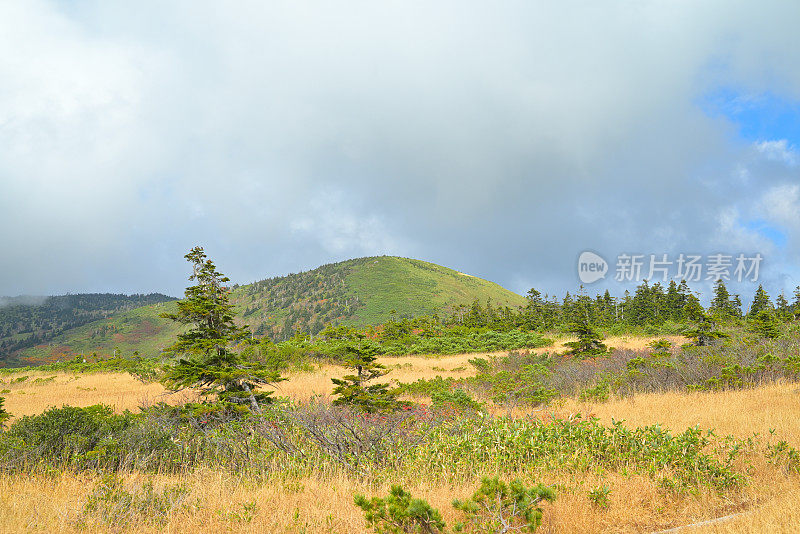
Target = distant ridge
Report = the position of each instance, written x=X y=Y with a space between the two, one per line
x=367 y=290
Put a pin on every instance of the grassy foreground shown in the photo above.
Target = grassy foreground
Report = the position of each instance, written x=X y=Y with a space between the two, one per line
x=321 y=500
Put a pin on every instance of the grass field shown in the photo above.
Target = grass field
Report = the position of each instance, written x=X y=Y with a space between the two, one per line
x=218 y=501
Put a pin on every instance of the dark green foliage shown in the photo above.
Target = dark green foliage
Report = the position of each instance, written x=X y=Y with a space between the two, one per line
x=84 y=438
x=723 y=305
x=211 y=364
x=704 y=332
x=4 y=415
x=497 y=507
x=760 y=303
x=29 y=321
x=765 y=324
x=517 y=379
x=145 y=369
x=122 y=507
x=455 y=399
x=589 y=343
x=399 y=514
x=354 y=389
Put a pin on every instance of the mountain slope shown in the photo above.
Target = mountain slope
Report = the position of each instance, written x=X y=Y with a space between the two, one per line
x=29 y=321
x=360 y=291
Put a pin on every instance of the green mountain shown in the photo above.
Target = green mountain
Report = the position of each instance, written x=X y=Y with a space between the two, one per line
x=27 y=321
x=360 y=291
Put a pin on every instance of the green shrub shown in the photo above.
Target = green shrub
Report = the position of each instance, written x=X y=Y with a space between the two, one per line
x=456 y=398
x=399 y=513
x=599 y=496
x=4 y=415
x=784 y=455
x=497 y=507
x=84 y=438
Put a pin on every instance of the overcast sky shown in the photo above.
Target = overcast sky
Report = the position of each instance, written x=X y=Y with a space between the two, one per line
x=498 y=138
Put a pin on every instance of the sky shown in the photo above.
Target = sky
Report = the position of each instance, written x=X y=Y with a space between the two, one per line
x=501 y=139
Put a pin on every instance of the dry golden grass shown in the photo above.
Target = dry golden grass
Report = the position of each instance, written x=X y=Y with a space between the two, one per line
x=43 y=390
x=122 y=391
x=737 y=412
x=323 y=504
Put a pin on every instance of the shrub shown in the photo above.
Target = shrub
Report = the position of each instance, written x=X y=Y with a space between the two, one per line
x=495 y=507
x=399 y=513
x=456 y=398
x=498 y=507
x=4 y=415
x=84 y=438
x=599 y=496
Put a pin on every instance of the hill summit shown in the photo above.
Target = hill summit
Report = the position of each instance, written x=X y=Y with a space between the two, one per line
x=360 y=291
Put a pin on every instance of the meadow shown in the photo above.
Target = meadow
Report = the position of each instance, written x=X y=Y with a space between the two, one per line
x=634 y=461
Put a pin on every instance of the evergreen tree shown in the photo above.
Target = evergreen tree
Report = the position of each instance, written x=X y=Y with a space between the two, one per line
x=693 y=310
x=704 y=332
x=765 y=324
x=353 y=390
x=4 y=415
x=796 y=303
x=782 y=308
x=737 y=305
x=674 y=302
x=211 y=362
x=589 y=343
x=760 y=302
x=721 y=304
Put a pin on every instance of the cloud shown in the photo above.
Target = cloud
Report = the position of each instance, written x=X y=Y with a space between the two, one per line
x=500 y=141
x=779 y=151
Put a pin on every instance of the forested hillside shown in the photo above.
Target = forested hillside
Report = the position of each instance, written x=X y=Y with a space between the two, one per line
x=29 y=321
x=354 y=292
x=361 y=291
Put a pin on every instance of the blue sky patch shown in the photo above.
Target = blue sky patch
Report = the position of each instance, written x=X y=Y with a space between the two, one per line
x=767 y=230
x=765 y=116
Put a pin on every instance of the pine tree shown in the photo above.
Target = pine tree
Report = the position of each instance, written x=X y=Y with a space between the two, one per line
x=722 y=305
x=4 y=415
x=765 y=324
x=211 y=362
x=782 y=308
x=796 y=303
x=674 y=302
x=353 y=390
x=760 y=302
x=704 y=332
x=589 y=343
x=693 y=310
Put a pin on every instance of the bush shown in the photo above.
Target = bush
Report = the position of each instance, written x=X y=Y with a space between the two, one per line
x=399 y=513
x=4 y=415
x=686 y=460
x=599 y=496
x=457 y=398
x=495 y=507
x=83 y=438
x=499 y=507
